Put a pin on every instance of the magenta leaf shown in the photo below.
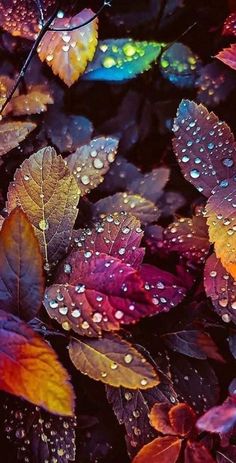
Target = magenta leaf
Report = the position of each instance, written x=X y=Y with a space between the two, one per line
x=228 y=56
x=230 y=25
x=220 y=419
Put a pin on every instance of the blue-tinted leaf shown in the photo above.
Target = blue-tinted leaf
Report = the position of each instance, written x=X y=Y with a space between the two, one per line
x=121 y=59
x=180 y=65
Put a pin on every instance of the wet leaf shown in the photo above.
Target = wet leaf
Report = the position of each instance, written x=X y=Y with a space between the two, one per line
x=180 y=65
x=36 y=432
x=48 y=194
x=182 y=419
x=204 y=147
x=121 y=59
x=121 y=174
x=13 y=133
x=228 y=56
x=196 y=452
x=221 y=222
x=230 y=25
x=214 y=84
x=34 y=102
x=221 y=288
x=220 y=419
x=193 y=343
x=160 y=450
x=188 y=237
x=95 y=293
x=113 y=361
x=30 y=369
x=68 y=53
x=150 y=185
x=21 y=267
x=91 y=162
x=141 y=208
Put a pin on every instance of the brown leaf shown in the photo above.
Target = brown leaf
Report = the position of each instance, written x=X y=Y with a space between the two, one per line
x=159 y=418
x=34 y=102
x=48 y=194
x=12 y=133
x=160 y=450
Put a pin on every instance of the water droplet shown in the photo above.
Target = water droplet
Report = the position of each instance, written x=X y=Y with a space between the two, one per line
x=97 y=317
x=210 y=146
x=128 y=358
x=63 y=310
x=194 y=173
x=119 y=314
x=143 y=382
x=109 y=62
x=80 y=288
x=67 y=269
x=226 y=318
x=76 y=313
x=98 y=164
x=114 y=366
x=43 y=225
x=53 y=304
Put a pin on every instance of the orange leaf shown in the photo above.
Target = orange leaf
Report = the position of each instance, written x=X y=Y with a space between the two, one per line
x=21 y=267
x=182 y=418
x=29 y=368
x=220 y=210
x=12 y=133
x=159 y=418
x=34 y=102
x=48 y=194
x=160 y=450
x=68 y=53
x=91 y=162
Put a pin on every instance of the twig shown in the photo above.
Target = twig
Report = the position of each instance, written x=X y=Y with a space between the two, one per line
x=73 y=28
x=161 y=12
x=180 y=36
x=40 y=10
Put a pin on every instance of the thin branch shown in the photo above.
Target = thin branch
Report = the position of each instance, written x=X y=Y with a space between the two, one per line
x=180 y=36
x=161 y=12
x=40 y=10
x=28 y=59
x=73 y=28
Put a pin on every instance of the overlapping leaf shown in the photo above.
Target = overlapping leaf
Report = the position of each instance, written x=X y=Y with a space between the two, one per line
x=230 y=25
x=48 y=194
x=180 y=65
x=141 y=208
x=228 y=56
x=29 y=368
x=69 y=52
x=161 y=450
x=150 y=185
x=193 y=343
x=21 y=267
x=96 y=292
x=34 y=102
x=221 y=288
x=36 y=432
x=91 y=162
x=220 y=419
x=121 y=59
x=13 y=133
x=172 y=420
x=204 y=146
x=215 y=83
x=113 y=361
x=196 y=452
x=118 y=235
x=188 y=237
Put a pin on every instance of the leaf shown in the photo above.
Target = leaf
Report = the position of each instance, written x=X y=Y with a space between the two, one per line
x=182 y=419
x=67 y=131
x=21 y=267
x=215 y=83
x=188 y=237
x=113 y=361
x=13 y=133
x=68 y=53
x=131 y=408
x=220 y=419
x=38 y=434
x=121 y=174
x=230 y=25
x=21 y=18
x=91 y=162
x=160 y=450
x=139 y=207
x=221 y=222
x=29 y=368
x=48 y=194
x=159 y=418
x=221 y=288
x=150 y=185
x=228 y=56
x=118 y=235
x=204 y=146
x=180 y=65
x=166 y=289
x=121 y=59
x=193 y=343
x=34 y=102
x=95 y=293
x=196 y=452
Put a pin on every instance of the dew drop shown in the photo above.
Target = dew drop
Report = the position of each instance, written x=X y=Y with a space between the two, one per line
x=194 y=173
x=128 y=358
x=43 y=225
x=53 y=304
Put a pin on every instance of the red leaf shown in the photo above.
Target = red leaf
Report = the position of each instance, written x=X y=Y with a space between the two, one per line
x=182 y=419
x=21 y=267
x=118 y=235
x=160 y=450
x=228 y=56
x=220 y=419
x=220 y=287
x=29 y=368
x=230 y=25
x=195 y=452
x=166 y=289
x=68 y=53
x=95 y=293
x=204 y=146
x=214 y=84
x=159 y=418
